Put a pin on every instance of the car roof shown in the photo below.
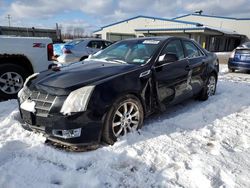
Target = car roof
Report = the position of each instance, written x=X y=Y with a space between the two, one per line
x=89 y=39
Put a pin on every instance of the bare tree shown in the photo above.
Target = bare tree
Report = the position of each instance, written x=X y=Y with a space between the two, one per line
x=78 y=32
x=71 y=32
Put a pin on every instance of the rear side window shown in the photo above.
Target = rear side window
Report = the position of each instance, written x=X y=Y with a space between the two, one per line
x=106 y=43
x=95 y=44
x=191 y=50
x=174 y=47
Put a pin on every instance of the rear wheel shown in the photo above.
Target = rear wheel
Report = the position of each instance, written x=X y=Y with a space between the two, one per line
x=84 y=57
x=209 y=89
x=231 y=70
x=12 y=78
x=126 y=115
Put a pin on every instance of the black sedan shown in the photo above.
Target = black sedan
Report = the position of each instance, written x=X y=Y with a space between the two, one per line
x=110 y=93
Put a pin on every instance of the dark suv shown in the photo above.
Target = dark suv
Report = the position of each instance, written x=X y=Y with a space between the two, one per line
x=110 y=94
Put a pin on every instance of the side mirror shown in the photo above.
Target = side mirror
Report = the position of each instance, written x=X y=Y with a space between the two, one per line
x=168 y=58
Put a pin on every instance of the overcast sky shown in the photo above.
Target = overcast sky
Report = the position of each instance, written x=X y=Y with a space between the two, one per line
x=92 y=14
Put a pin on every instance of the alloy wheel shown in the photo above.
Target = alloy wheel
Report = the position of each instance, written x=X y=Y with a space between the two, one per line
x=211 y=86
x=11 y=82
x=126 y=119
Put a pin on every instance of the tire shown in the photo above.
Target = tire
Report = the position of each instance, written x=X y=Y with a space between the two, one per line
x=84 y=57
x=118 y=123
x=209 y=89
x=231 y=70
x=12 y=78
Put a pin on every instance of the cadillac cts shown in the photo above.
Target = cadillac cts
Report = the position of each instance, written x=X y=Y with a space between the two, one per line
x=110 y=93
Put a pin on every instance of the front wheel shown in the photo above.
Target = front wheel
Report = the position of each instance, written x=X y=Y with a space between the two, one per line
x=126 y=115
x=209 y=89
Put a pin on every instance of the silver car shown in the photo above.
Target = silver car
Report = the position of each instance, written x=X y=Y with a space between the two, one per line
x=80 y=49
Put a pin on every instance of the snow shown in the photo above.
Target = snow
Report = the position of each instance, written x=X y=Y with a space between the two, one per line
x=194 y=144
x=28 y=106
x=223 y=57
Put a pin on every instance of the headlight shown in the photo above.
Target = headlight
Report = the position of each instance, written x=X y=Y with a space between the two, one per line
x=24 y=94
x=77 y=100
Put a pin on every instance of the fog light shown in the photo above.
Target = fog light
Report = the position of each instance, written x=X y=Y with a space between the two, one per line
x=66 y=134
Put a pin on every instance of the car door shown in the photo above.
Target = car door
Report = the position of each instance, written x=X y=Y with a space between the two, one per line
x=171 y=77
x=197 y=62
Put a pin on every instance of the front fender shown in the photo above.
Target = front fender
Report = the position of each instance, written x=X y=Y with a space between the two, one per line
x=107 y=92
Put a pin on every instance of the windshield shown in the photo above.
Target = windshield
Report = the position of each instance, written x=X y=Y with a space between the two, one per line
x=129 y=51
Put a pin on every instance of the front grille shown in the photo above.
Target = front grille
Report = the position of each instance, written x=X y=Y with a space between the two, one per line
x=43 y=102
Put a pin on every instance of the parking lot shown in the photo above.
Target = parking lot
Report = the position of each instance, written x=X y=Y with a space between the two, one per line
x=210 y=139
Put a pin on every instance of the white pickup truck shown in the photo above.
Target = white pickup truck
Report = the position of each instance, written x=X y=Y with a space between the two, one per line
x=19 y=58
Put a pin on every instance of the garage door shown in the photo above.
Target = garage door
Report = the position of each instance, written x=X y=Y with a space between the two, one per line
x=116 y=37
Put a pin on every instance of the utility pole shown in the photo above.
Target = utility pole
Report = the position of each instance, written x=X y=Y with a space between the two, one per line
x=8 y=17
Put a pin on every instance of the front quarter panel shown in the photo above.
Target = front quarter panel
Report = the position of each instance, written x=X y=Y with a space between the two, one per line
x=213 y=65
x=109 y=90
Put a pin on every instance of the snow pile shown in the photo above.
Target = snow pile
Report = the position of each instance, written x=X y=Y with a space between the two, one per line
x=223 y=68
x=194 y=144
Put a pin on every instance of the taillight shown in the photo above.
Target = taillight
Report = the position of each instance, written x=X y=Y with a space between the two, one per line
x=50 y=51
x=66 y=51
x=232 y=54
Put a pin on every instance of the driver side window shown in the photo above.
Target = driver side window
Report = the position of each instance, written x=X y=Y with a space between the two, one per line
x=173 y=47
x=95 y=44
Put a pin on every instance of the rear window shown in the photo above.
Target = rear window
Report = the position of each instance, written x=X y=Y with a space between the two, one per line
x=246 y=45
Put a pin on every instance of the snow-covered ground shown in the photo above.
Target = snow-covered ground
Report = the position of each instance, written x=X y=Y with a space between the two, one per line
x=194 y=144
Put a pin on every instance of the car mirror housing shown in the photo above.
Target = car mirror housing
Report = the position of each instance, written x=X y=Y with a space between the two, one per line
x=168 y=58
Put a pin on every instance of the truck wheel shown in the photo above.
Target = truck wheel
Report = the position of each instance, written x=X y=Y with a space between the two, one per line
x=12 y=78
x=125 y=115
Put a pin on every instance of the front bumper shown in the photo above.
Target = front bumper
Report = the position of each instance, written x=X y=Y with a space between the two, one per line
x=238 y=65
x=90 y=129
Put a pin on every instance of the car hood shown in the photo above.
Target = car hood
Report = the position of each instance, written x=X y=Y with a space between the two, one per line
x=79 y=74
